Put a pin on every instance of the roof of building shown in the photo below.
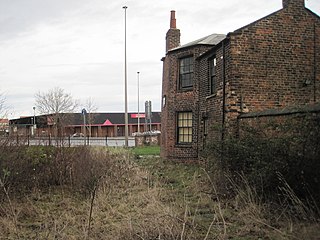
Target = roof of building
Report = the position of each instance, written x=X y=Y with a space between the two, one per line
x=212 y=39
x=215 y=39
x=239 y=30
x=98 y=119
x=105 y=119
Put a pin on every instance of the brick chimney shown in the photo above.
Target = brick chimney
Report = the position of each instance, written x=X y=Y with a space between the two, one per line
x=173 y=20
x=173 y=34
x=293 y=3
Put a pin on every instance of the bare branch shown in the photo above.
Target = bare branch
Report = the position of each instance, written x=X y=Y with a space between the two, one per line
x=58 y=103
x=90 y=106
x=55 y=101
x=3 y=107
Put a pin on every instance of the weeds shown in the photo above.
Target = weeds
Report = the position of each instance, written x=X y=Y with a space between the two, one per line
x=105 y=193
x=12 y=211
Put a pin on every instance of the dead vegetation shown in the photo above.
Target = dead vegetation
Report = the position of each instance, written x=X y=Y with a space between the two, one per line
x=108 y=194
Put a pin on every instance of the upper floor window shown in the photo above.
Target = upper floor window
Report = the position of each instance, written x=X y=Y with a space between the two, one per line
x=184 y=127
x=213 y=79
x=164 y=101
x=186 y=72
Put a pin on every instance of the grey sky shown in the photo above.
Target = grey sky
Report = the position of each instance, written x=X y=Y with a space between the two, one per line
x=78 y=45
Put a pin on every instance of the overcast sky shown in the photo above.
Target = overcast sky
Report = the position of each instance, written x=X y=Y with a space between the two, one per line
x=78 y=45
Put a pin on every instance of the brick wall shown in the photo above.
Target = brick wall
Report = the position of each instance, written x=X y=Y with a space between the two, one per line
x=179 y=100
x=286 y=122
x=272 y=63
x=210 y=105
x=173 y=34
x=148 y=139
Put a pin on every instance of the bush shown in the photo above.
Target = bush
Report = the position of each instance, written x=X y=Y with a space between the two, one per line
x=26 y=168
x=271 y=153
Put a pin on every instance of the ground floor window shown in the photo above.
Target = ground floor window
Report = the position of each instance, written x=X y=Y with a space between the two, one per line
x=184 y=127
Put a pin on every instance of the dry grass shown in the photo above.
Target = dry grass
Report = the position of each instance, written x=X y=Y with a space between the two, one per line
x=145 y=199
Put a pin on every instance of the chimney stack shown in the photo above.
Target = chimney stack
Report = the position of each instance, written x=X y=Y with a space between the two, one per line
x=173 y=34
x=293 y=3
x=173 y=19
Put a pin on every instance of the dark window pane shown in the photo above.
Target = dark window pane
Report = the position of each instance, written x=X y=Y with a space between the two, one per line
x=213 y=69
x=186 y=72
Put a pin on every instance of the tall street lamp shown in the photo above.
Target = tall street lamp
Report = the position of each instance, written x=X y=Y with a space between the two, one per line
x=125 y=78
x=138 y=103
x=34 y=121
x=84 y=112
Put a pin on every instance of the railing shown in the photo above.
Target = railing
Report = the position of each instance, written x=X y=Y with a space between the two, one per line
x=67 y=141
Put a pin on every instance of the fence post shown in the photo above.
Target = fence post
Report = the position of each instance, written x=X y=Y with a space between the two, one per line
x=69 y=141
x=106 y=140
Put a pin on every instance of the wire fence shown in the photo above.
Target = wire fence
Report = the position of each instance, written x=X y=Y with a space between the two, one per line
x=67 y=141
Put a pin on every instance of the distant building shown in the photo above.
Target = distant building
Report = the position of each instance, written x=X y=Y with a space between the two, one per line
x=95 y=124
x=4 y=126
x=272 y=63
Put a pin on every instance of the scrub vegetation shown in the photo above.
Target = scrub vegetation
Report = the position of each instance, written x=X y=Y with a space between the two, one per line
x=110 y=193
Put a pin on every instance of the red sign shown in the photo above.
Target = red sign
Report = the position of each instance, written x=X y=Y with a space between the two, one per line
x=140 y=115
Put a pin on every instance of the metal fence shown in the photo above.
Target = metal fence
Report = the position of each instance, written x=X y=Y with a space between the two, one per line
x=67 y=141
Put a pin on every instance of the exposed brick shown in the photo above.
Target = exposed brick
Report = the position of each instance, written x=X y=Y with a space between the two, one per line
x=272 y=63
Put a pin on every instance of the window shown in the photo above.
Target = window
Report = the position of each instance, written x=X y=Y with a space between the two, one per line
x=186 y=72
x=213 y=80
x=184 y=127
x=164 y=101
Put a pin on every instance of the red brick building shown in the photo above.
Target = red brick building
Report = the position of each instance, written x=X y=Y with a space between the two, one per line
x=94 y=124
x=272 y=63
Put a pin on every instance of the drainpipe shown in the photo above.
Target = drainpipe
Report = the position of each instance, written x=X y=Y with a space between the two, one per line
x=223 y=90
x=315 y=63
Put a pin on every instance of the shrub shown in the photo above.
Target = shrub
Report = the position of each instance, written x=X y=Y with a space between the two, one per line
x=289 y=148
x=26 y=168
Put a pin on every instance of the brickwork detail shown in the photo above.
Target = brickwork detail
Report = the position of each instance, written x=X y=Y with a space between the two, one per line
x=272 y=63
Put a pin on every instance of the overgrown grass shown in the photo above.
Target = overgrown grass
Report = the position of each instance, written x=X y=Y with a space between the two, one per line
x=146 y=150
x=130 y=198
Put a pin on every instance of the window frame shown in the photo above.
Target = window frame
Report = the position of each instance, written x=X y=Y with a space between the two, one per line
x=213 y=75
x=164 y=101
x=186 y=72
x=184 y=127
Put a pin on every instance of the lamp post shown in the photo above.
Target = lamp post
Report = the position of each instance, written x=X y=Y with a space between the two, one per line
x=138 y=103
x=84 y=112
x=34 y=121
x=125 y=78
